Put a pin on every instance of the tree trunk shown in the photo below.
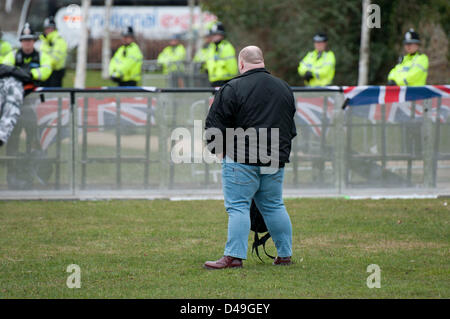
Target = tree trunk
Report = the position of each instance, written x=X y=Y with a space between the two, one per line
x=80 y=73
x=191 y=31
x=106 y=44
x=364 y=53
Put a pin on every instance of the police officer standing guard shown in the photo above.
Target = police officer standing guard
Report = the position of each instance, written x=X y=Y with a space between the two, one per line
x=32 y=164
x=125 y=67
x=172 y=56
x=221 y=62
x=56 y=47
x=413 y=67
x=27 y=57
x=317 y=67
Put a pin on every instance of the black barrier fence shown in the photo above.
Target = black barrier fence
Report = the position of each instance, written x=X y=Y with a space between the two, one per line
x=128 y=142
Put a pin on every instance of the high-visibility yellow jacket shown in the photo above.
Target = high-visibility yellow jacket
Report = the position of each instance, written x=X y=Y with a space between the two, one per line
x=56 y=47
x=126 y=64
x=412 y=71
x=5 y=48
x=39 y=63
x=202 y=56
x=221 y=61
x=171 y=58
x=320 y=65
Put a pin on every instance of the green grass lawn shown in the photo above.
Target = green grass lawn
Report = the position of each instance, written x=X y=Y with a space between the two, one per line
x=156 y=249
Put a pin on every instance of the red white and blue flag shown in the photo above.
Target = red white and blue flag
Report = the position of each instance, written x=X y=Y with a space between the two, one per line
x=100 y=113
x=314 y=112
x=368 y=102
x=364 y=95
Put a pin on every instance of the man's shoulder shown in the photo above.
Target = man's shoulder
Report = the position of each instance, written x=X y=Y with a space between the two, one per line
x=60 y=39
x=422 y=55
x=135 y=46
x=258 y=75
x=5 y=43
x=409 y=57
x=226 y=43
x=136 y=49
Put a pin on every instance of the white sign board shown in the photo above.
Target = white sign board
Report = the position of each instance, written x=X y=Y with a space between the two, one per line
x=149 y=22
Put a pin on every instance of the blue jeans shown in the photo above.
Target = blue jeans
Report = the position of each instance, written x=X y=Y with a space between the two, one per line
x=242 y=183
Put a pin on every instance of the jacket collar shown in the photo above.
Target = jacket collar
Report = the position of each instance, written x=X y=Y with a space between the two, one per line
x=129 y=45
x=253 y=71
x=51 y=36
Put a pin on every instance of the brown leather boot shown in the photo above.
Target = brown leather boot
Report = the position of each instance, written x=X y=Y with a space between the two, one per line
x=282 y=261
x=224 y=262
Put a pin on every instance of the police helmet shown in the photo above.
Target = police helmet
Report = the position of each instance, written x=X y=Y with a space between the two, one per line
x=411 y=37
x=27 y=33
x=320 y=37
x=128 y=32
x=217 y=28
x=49 y=22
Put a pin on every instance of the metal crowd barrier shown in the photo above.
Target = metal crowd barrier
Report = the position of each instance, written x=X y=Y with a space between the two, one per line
x=118 y=142
x=183 y=74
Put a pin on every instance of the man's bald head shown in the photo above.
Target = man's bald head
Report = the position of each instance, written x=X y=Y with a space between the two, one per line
x=251 y=54
x=250 y=57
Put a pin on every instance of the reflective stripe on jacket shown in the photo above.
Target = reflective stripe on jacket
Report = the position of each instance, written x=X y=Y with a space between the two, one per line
x=39 y=63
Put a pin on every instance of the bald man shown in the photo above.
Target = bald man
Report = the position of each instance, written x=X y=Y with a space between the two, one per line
x=251 y=125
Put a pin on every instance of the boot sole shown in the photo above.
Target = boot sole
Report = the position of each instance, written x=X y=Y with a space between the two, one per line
x=212 y=268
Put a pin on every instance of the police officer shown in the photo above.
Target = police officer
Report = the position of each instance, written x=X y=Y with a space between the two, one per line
x=413 y=67
x=172 y=56
x=20 y=174
x=56 y=47
x=5 y=48
x=318 y=66
x=125 y=67
x=28 y=58
x=221 y=62
x=201 y=56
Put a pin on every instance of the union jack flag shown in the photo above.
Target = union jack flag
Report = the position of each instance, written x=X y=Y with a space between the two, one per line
x=403 y=112
x=100 y=113
x=48 y=119
x=364 y=95
x=367 y=102
x=312 y=111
